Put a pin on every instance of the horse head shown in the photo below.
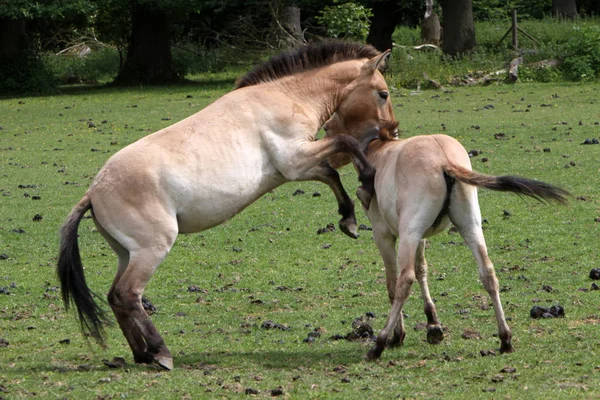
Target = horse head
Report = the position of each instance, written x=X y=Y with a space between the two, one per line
x=365 y=107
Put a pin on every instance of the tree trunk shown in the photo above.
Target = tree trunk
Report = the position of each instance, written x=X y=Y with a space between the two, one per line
x=459 y=29
x=564 y=8
x=431 y=30
x=288 y=31
x=386 y=15
x=12 y=38
x=148 y=59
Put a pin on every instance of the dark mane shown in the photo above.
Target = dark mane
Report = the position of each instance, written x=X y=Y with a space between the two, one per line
x=304 y=58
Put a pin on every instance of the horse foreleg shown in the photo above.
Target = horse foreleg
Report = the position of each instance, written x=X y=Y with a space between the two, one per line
x=303 y=161
x=435 y=334
x=404 y=282
x=326 y=174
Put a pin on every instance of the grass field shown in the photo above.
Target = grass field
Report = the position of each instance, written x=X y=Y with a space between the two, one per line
x=218 y=287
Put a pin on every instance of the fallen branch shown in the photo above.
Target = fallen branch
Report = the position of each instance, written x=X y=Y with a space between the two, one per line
x=513 y=69
x=435 y=83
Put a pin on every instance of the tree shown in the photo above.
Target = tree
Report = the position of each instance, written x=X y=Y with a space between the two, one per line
x=564 y=8
x=431 y=30
x=287 y=27
x=386 y=15
x=23 y=23
x=148 y=59
x=459 y=28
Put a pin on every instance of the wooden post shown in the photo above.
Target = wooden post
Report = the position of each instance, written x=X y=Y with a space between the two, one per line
x=515 y=39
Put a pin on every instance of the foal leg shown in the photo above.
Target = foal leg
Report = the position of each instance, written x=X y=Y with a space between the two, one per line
x=386 y=243
x=467 y=218
x=435 y=334
x=406 y=259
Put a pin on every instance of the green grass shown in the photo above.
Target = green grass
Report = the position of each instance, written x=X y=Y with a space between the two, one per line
x=215 y=334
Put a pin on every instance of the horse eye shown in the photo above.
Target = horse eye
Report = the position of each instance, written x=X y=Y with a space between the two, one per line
x=384 y=95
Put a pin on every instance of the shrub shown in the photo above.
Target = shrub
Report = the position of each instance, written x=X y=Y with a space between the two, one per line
x=100 y=65
x=26 y=74
x=346 y=21
x=582 y=56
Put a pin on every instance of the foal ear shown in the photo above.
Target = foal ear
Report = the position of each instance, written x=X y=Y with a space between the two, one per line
x=377 y=62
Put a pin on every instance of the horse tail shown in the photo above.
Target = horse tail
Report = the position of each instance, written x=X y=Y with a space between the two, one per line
x=538 y=190
x=72 y=280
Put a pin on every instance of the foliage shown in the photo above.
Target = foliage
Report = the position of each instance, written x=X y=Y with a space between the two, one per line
x=346 y=21
x=101 y=65
x=542 y=254
x=26 y=74
x=582 y=58
x=45 y=9
x=485 y=10
x=574 y=46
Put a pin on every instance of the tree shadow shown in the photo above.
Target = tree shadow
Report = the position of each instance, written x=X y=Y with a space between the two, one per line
x=91 y=88
x=274 y=359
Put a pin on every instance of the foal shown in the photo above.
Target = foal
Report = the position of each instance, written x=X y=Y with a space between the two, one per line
x=423 y=184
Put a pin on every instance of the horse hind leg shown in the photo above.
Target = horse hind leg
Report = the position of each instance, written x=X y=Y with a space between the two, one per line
x=125 y=299
x=131 y=332
x=136 y=267
x=467 y=218
x=435 y=334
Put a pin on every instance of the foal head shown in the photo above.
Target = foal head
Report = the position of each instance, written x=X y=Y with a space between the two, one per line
x=365 y=108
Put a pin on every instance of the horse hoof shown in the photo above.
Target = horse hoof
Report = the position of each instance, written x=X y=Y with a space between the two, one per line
x=435 y=335
x=364 y=196
x=374 y=354
x=164 y=362
x=350 y=229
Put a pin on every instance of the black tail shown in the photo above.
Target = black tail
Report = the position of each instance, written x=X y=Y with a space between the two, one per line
x=539 y=190
x=71 y=276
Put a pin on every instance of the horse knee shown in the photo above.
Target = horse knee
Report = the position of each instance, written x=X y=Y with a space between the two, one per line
x=407 y=277
x=122 y=299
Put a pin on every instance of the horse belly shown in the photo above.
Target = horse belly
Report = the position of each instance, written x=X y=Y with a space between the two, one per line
x=203 y=206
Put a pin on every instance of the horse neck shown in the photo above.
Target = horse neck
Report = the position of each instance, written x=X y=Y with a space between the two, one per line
x=378 y=149
x=322 y=89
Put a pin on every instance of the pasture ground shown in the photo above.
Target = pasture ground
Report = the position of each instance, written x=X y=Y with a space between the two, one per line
x=218 y=287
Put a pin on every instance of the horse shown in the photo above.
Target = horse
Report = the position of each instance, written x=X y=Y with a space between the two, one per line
x=203 y=170
x=422 y=185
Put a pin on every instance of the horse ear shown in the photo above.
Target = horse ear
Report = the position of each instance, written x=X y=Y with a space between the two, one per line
x=377 y=62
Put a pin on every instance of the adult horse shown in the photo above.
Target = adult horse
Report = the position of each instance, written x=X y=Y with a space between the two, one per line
x=422 y=184
x=201 y=171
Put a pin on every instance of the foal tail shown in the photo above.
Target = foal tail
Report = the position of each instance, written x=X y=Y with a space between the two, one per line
x=539 y=190
x=72 y=280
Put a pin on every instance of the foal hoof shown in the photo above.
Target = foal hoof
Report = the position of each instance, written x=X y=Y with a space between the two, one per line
x=506 y=348
x=164 y=362
x=364 y=196
x=349 y=228
x=435 y=335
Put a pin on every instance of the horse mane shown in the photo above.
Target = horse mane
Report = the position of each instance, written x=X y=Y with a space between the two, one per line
x=305 y=58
